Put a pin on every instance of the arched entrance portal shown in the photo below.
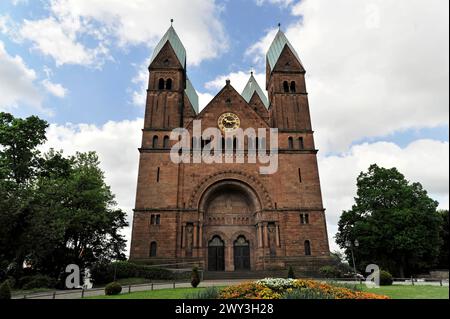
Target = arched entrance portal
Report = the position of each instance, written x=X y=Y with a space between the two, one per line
x=229 y=209
x=241 y=254
x=216 y=254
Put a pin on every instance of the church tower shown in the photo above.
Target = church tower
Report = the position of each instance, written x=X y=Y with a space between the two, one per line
x=285 y=75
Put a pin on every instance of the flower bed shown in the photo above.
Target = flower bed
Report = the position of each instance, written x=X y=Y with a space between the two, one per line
x=279 y=288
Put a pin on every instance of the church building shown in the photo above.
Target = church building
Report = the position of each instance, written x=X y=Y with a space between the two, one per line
x=229 y=217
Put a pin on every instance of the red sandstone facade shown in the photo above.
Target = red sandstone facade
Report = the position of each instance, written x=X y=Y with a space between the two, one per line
x=228 y=216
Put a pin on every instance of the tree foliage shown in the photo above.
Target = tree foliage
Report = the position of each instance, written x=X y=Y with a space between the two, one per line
x=54 y=210
x=395 y=222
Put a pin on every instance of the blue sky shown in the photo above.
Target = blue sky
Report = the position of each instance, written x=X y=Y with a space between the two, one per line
x=377 y=77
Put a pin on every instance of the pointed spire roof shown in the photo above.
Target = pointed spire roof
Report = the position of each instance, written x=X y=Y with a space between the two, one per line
x=277 y=48
x=250 y=89
x=192 y=95
x=172 y=37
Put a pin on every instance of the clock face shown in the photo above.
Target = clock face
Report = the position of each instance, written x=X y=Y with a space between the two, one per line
x=229 y=122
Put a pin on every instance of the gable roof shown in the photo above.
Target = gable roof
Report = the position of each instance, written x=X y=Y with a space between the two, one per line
x=172 y=37
x=250 y=89
x=277 y=47
x=191 y=94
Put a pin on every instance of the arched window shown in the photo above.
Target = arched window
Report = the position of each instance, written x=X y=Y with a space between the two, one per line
x=257 y=143
x=155 y=142
x=153 y=248
x=286 y=86
x=293 y=87
x=166 y=142
x=158 y=174
x=169 y=84
x=291 y=143
x=307 y=248
x=301 y=143
x=161 y=84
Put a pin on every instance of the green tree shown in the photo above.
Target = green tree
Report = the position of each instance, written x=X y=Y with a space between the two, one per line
x=54 y=210
x=443 y=250
x=396 y=223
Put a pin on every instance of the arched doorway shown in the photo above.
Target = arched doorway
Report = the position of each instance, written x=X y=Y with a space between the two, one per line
x=241 y=254
x=216 y=254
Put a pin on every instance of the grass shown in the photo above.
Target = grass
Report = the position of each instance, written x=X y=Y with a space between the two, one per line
x=394 y=291
x=410 y=291
x=178 y=293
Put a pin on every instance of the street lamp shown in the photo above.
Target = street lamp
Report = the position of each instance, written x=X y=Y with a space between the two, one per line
x=351 y=245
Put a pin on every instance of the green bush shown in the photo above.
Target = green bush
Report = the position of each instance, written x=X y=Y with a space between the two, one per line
x=113 y=289
x=104 y=273
x=385 y=278
x=5 y=291
x=291 y=273
x=208 y=293
x=330 y=272
x=195 y=278
x=36 y=281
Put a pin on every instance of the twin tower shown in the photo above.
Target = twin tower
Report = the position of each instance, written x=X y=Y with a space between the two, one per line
x=229 y=217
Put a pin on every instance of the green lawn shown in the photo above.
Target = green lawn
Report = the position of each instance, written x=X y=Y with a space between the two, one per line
x=410 y=292
x=395 y=292
x=178 y=293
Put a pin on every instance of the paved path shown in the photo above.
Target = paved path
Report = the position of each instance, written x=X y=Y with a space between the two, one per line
x=64 y=294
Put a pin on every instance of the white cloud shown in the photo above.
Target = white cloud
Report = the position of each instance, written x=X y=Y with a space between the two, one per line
x=17 y=82
x=373 y=68
x=282 y=3
x=139 y=96
x=204 y=99
x=58 y=38
x=125 y=23
x=238 y=81
x=55 y=89
x=116 y=143
x=424 y=161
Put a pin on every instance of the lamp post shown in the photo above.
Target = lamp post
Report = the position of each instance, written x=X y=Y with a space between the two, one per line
x=351 y=245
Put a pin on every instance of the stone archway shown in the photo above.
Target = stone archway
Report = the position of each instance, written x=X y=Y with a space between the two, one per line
x=229 y=208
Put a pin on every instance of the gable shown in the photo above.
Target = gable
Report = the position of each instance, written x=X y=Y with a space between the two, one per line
x=288 y=62
x=229 y=100
x=166 y=59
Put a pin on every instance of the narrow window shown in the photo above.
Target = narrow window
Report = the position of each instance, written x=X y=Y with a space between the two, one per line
x=153 y=248
x=257 y=143
x=291 y=143
x=166 y=142
x=158 y=173
x=307 y=248
x=169 y=84
x=158 y=220
x=286 y=87
x=161 y=84
x=293 y=87
x=300 y=175
x=301 y=143
x=152 y=220
x=155 y=142
x=306 y=218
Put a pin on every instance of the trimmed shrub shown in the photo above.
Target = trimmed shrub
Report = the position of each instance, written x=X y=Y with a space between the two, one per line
x=5 y=291
x=113 y=289
x=330 y=272
x=385 y=278
x=208 y=293
x=103 y=273
x=37 y=281
x=195 y=278
x=291 y=274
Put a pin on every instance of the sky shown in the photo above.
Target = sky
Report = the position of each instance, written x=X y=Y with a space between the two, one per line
x=377 y=77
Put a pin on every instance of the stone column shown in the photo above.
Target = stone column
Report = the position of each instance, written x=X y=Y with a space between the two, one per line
x=200 y=235
x=260 y=235
x=277 y=234
x=195 y=243
x=183 y=236
x=266 y=235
